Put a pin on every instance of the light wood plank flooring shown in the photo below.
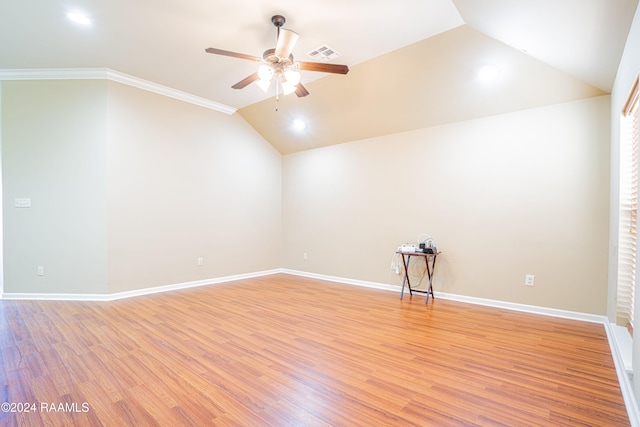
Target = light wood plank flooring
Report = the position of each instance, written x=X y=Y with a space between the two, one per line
x=288 y=351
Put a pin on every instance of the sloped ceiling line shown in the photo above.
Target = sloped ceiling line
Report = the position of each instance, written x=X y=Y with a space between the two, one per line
x=547 y=51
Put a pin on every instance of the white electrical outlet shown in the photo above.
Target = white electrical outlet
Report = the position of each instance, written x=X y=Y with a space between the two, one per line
x=305 y=256
x=395 y=266
x=200 y=261
x=529 y=279
x=40 y=270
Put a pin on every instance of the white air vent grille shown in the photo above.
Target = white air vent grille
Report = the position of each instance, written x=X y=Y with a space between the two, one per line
x=323 y=53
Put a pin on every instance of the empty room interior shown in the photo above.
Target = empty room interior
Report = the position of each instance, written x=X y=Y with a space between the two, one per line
x=319 y=213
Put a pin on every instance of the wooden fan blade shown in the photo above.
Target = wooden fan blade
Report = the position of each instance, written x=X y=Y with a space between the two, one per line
x=246 y=81
x=232 y=54
x=324 y=68
x=301 y=91
x=286 y=41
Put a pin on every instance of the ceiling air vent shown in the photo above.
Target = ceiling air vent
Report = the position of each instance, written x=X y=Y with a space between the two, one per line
x=323 y=53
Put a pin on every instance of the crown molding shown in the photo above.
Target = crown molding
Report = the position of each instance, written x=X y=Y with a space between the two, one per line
x=116 y=76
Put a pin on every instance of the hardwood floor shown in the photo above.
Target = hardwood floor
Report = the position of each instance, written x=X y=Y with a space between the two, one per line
x=288 y=351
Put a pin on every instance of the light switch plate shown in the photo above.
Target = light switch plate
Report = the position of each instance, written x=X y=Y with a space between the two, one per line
x=22 y=202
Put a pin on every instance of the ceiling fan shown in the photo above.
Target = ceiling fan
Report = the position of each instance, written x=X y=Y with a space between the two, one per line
x=278 y=64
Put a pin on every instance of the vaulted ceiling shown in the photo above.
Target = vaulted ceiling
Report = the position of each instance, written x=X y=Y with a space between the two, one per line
x=413 y=63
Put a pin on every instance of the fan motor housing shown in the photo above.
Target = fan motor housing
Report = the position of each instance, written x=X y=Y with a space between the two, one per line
x=270 y=57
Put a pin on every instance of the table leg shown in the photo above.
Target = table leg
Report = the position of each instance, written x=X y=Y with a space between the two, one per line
x=430 y=272
x=405 y=264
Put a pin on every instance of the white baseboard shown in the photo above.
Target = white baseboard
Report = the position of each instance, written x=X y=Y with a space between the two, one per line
x=344 y=280
x=368 y=284
x=545 y=311
x=621 y=353
x=136 y=292
x=382 y=286
x=461 y=298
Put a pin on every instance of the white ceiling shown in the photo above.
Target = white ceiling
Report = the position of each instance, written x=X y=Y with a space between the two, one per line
x=583 y=38
x=163 y=41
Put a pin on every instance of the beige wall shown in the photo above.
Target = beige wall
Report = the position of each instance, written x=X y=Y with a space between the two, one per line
x=53 y=151
x=509 y=195
x=129 y=188
x=185 y=182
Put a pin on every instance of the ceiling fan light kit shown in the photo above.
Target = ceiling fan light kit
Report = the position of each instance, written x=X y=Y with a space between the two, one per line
x=278 y=66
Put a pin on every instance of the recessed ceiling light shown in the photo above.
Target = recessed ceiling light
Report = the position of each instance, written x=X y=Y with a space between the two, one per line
x=299 y=124
x=488 y=73
x=79 y=18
